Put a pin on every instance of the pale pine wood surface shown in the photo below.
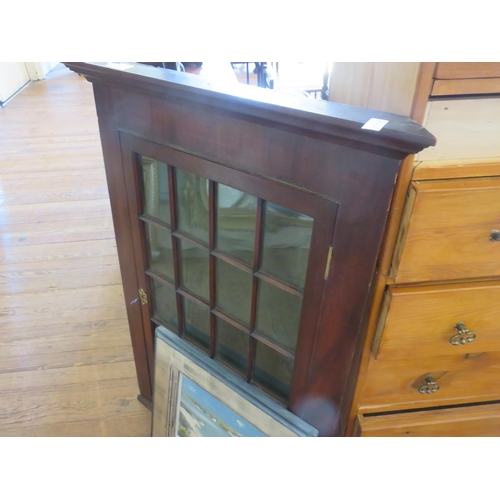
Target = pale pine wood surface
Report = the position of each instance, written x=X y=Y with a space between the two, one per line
x=454 y=422
x=461 y=377
x=421 y=320
x=446 y=169
x=384 y=86
x=464 y=87
x=416 y=321
x=449 y=232
x=66 y=362
x=452 y=70
x=465 y=129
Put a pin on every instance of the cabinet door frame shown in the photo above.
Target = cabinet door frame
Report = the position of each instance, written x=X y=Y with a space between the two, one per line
x=322 y=209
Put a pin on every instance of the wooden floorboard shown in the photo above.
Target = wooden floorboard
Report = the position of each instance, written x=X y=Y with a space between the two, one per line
x=66 y=362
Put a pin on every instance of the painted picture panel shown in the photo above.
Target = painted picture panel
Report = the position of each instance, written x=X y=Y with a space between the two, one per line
x=195 y=396
x=203 y=415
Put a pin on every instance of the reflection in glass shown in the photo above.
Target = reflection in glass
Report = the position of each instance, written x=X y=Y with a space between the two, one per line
x=286 y=242
x=161 y=258
x=234 y=291
x=232 y=346
x=278 y=315
x=273 y=370
x=156 y=199
x=164 y=303
x=194 y=269
x=236 y=217
x=192 y=204
x=197 y=323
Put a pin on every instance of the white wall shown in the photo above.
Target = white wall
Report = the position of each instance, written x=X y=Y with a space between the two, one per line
x=39 y=70
x=13 y=76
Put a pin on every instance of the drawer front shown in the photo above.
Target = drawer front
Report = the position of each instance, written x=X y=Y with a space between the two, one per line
x=451 y=230
x=465 y=128
x=459 y=70
x=467 y=86
x=470 y=421
x=466 y=79
x=435 y=321
x=457 y=377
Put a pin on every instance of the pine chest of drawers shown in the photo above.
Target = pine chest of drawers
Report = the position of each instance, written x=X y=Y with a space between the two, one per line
x=436 y=347
x=431 y=366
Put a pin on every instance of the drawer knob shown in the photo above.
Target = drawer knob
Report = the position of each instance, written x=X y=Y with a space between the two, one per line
x=430 y=387
x=462 y=336
x=495 y=235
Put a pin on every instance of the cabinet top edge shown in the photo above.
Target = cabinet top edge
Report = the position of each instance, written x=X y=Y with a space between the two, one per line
x=400 y=136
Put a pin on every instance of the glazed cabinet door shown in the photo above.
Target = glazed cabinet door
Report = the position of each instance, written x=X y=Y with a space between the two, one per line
x=233 y=263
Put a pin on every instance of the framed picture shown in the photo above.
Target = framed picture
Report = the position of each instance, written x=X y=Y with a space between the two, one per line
x=196 y=397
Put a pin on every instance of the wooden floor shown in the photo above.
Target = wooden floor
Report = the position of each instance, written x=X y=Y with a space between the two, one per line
x=66 y=363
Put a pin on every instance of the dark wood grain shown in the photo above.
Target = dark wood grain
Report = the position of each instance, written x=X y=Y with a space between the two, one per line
x=398 y=138
x=256 y=261
x=231 y=260
x=255 y=285
x=159 y=278
x=276 y=282
x=133 y=182
x=276 y=347
x=212 y=203
x=308 y=156
x=228 y=319
x=198 y=300
x=124 y=242
x=175 y=249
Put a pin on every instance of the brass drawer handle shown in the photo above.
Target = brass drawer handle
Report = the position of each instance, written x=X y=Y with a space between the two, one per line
x=430 y=387
x=462 y=336
x=495 y=235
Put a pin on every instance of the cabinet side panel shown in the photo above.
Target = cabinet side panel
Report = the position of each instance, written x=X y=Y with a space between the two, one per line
x=119 y=207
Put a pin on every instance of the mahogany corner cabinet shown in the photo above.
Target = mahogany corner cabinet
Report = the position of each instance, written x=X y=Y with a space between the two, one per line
x=249 y=223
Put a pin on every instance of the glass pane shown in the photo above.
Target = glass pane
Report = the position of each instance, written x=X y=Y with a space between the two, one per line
x=232 y=346
x=194 y=269
x=164 y=303
x=273 y=370
x=197 y=323
x=156 y=199
x=278 y=315
x=286 y=243
x=236 y=217
x=234 y=291
x=192 y=204
x=161 y=259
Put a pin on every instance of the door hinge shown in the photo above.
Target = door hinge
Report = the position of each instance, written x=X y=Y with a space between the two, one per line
x=143 y=296
x=328 y=262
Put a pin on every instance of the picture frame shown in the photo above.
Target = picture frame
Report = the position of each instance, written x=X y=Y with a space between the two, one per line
x=194 y=396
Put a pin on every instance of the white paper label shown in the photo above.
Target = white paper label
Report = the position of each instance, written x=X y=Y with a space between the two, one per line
x=120 y=66
x=375 y=124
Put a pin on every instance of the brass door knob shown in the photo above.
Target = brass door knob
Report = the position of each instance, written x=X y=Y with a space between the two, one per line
x=430 y=387
x=462 y=336
x=495 y=235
